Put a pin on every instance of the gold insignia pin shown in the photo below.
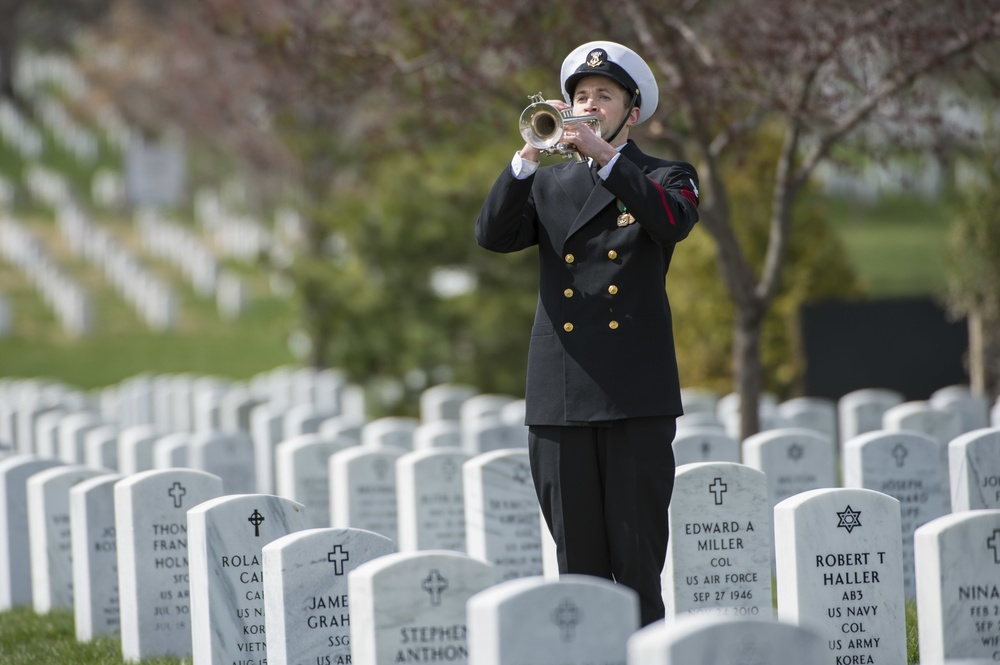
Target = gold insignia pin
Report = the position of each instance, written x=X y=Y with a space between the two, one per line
x=625 y=219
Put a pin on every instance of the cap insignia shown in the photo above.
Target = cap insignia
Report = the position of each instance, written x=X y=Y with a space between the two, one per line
x=596 y=58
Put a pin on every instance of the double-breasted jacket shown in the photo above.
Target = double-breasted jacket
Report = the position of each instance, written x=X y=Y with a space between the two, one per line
x=602 y=344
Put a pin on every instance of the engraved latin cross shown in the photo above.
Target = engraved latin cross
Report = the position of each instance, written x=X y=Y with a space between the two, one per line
x=337 y=557
x=176 y=492
x=993 y=542
x=900 y=453
x=718 y=488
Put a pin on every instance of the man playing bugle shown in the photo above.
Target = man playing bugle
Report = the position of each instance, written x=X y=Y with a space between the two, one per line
x=602 y=392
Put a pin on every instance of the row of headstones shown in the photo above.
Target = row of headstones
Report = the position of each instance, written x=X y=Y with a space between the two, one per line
x=65 y=296
x=948 y=412
x=271 y=407
x=18 y=133
x=188 y=253
x=233 y=235
x=74 y=509
x=152 y=298
x=69 y=134
x=301 y=465
x=35 y=70
x=256 y=570
x=841 y=566
x=46 y=186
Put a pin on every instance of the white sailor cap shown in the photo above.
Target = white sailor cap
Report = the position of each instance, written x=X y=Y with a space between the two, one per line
x=616 y=62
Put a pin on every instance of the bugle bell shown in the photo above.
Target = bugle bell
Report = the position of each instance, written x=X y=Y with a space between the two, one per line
x=542 y=126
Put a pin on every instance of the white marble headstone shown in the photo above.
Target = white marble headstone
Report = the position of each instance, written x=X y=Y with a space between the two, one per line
x=972 y=410
x=958 y=588
x=305 y=419
x=502 y=519
x=172 y=451
x=700 y=420
x=704 y=444
x=15 y=553
x=719 y=552
x=344 y=429
x=100 y=447
x=794 y=460
x=151 y=534
x=227 y=586
x=974 y=469
x=391 y=431
x=430 y=500
x=135 y=448
x=228 y=455
x=73 y=429
x=306 y=601
x=488 y=433
x=483 y=406
x=363 y=489
x=712 y=640
x=95 y=557
x=861 y=411
x=906 y=466
x=814 y=413
x=49 y=535
x=438 y=434
x=922 y=417
x=443 y=402
x=266 y=429
x=302 y=474
x=699 y=400
x=410 y=607
x=577 y=620
x=840 y=572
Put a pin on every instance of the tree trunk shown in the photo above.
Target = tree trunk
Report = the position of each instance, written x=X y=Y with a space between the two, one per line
x=747 y=365
x=9 y=12
x=977 y=355
x=8 y=50
x=319 y=352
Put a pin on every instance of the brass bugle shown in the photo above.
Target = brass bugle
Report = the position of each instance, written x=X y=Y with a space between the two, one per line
x=542 y=126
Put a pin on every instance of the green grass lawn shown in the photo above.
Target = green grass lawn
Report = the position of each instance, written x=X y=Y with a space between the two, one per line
x=898 y=246
x=27 y=638
x=121 y=345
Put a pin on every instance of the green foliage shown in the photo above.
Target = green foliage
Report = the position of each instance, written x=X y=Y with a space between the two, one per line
x=368 y=275
x=817 y=268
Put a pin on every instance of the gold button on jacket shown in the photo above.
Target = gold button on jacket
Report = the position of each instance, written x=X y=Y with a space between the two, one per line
x=568 y=327
x=570 y=258
x=612 y=289
x=613 y=325
x=612 y=254
x=568 y=293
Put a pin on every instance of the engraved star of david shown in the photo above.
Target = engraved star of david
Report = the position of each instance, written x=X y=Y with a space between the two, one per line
x=849 y=519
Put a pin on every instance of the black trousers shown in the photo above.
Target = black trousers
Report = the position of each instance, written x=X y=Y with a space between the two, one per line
x=604 y=492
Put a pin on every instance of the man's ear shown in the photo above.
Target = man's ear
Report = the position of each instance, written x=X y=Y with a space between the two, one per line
x=633 y=116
